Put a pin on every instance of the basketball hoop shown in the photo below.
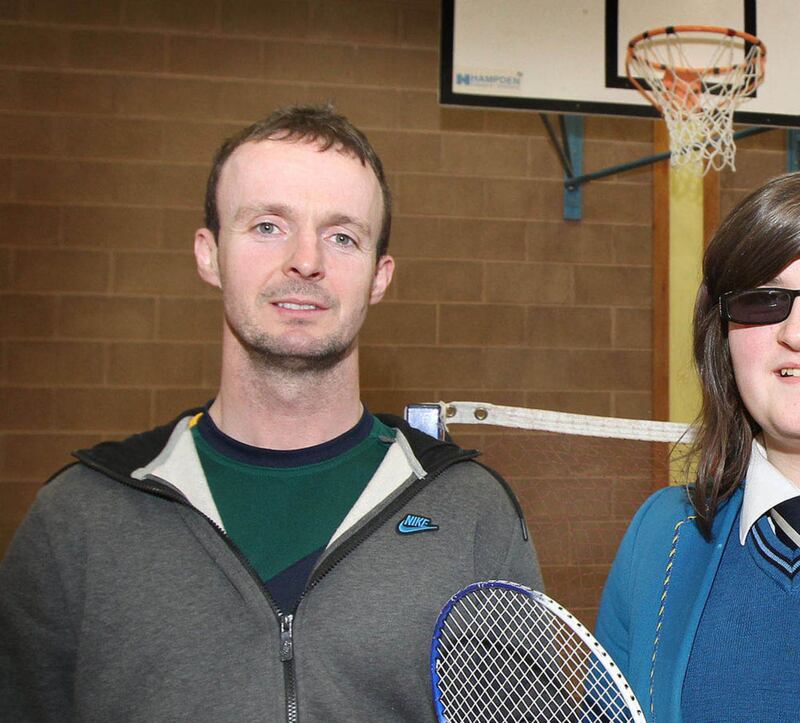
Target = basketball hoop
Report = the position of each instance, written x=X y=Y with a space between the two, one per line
x=697 y=101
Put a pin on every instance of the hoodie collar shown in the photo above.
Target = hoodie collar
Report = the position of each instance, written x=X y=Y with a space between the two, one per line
x=167 y=455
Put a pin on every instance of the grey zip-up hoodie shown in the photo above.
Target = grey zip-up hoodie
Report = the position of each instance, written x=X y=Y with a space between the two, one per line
x=122 y=598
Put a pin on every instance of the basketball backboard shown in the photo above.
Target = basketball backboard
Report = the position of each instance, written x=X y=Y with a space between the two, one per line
x=568 y=56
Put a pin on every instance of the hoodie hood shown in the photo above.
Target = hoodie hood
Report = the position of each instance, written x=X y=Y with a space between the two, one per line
x=120 y=459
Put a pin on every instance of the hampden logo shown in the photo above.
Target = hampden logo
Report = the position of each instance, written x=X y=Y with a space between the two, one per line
x=497 y=79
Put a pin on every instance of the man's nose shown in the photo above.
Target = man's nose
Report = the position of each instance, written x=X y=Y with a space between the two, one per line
x=305 y=257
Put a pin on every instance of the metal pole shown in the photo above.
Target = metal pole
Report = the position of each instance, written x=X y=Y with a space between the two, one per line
x=562 y=154
x=573 y=182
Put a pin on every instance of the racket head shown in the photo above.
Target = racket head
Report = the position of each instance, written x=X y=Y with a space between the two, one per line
x=503 y=652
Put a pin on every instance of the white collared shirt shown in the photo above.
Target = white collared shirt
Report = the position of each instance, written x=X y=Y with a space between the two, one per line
x=765 y=487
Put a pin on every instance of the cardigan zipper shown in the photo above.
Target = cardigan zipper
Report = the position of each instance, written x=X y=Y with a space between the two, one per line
x=286 y=620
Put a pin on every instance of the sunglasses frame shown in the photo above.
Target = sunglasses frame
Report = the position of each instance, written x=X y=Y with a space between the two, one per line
x=725 y=314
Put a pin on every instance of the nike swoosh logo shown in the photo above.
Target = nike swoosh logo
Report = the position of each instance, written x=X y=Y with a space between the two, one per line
x=409 y=529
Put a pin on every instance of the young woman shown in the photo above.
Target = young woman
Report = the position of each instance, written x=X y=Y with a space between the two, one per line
x=701 y=609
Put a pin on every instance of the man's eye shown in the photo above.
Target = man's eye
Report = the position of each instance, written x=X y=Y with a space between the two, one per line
x=266 y=227
x=342 y=239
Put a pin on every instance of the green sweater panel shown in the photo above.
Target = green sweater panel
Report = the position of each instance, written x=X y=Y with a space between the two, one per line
x=278 y=516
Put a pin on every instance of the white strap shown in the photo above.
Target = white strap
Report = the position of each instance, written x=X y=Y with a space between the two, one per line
x=547 y=421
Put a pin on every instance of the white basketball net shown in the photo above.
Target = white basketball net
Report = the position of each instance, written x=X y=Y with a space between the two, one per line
x=697 y=102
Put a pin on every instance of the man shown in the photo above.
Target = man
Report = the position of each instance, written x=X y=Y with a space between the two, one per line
x=281 y=554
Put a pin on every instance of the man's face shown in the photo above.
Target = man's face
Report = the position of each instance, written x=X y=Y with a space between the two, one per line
x=295 y=257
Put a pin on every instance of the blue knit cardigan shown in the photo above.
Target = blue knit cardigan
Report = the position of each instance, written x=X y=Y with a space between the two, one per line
x=655 y=595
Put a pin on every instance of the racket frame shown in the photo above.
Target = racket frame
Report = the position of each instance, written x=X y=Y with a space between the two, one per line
x=553 y=607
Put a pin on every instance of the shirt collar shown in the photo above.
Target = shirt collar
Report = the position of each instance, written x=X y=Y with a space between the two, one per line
x=764 y=488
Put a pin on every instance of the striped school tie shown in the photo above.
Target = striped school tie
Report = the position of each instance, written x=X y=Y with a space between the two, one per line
x=790 y=511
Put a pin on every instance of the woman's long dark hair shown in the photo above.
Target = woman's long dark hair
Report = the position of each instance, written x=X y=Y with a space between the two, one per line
x=757 y=240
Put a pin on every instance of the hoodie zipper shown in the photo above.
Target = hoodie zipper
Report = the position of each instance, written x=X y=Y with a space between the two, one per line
x=287 y=658
x=286 y=620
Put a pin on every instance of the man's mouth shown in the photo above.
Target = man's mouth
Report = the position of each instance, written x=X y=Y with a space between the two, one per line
x=296 y=307
x=790 y=372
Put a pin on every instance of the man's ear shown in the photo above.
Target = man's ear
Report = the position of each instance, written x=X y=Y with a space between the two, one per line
x=384 y=270
x=206 y=256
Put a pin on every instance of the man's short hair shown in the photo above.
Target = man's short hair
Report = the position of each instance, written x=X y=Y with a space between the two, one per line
x=321 y=125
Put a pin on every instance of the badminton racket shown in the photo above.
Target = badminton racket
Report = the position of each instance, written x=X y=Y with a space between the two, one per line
x=502 y=652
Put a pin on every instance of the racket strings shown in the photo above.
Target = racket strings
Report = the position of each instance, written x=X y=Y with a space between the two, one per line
x=504 y=658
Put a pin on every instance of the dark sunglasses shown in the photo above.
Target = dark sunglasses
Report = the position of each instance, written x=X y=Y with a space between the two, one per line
x=757 y=306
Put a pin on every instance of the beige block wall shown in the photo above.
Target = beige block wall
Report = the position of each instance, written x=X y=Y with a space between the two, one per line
x=758 y=158
x=109 y=113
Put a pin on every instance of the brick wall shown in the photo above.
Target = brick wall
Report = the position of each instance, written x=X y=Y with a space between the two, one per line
x=758 y=158
x=109 y=113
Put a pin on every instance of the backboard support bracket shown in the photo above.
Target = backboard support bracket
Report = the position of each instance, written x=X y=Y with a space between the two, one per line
x=570 y=153
x=573 y=182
